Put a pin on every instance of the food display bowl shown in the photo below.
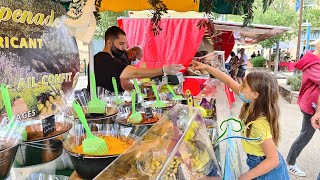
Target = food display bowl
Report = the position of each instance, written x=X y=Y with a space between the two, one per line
x=89 y=166
x=39 y=149
x=111 y=114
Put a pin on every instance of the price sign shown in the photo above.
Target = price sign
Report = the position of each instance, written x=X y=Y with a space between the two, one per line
x=149 y=113
x=48 y=125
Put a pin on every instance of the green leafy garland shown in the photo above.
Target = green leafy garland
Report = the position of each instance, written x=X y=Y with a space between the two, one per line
x=96 y=14
x=158 y=9
x=240 y=7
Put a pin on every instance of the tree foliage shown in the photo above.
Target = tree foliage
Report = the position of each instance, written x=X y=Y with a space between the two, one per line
x=258 y=61
x=278 y=14
x=108 y=19
x=313 y=16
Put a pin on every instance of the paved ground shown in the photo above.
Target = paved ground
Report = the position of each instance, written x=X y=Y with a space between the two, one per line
x=291 y=118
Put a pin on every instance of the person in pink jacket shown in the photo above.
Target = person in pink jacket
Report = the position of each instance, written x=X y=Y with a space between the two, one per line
x=309 y=64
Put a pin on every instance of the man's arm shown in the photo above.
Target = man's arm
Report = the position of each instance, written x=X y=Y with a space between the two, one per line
x=267 y=165
x=131 y=72
x=126 y=84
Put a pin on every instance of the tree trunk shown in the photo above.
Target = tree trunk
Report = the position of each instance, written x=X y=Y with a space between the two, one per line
x=276 y=61
x=269 y=60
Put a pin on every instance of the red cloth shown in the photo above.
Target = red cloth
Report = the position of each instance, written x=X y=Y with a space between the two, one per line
x=284 y=64
x=289 y=65
x=310 y=86
x=176 y=44
x=225 y=42
x=193 y=84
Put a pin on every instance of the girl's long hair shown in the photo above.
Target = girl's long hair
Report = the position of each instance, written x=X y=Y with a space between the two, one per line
x=266 y=104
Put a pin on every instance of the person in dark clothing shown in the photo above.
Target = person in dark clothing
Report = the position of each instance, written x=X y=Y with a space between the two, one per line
x=258 y=54
x=106 y=65
x=242 y=65
x=227 y=63
x=253 y=55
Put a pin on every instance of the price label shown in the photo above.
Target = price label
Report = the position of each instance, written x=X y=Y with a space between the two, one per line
x=148 y=113
x=48 y=125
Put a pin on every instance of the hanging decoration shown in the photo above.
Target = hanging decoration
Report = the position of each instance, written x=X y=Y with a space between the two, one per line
x=158 y=9
x=81 y=20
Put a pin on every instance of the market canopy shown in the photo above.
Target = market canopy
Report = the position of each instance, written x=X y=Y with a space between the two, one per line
x=315 y=42
x=253 y=34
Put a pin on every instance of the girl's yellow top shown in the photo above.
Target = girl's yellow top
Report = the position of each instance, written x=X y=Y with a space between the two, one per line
x=260 y=128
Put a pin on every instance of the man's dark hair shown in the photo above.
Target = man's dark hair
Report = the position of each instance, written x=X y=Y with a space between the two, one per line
x=232 y=54
x=113 y=33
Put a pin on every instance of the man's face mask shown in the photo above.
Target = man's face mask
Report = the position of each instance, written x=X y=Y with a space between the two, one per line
x=135 y=61
x=117 y=52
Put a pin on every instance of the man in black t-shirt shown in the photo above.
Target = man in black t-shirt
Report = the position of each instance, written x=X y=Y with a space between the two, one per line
x=106 y=65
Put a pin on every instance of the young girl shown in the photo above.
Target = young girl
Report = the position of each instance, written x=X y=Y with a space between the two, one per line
x=260 y=115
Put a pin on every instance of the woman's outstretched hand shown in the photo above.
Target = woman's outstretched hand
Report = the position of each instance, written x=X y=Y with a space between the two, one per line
x=199 y=66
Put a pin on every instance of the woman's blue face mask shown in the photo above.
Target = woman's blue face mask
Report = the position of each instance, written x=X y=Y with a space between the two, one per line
x=241 y=96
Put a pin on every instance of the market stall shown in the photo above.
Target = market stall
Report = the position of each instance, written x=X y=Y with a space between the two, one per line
x=44 y=137
x=45 y=60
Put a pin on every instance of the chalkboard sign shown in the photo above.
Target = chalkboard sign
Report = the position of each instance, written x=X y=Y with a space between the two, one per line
x=148 y=113
x=48 y=125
